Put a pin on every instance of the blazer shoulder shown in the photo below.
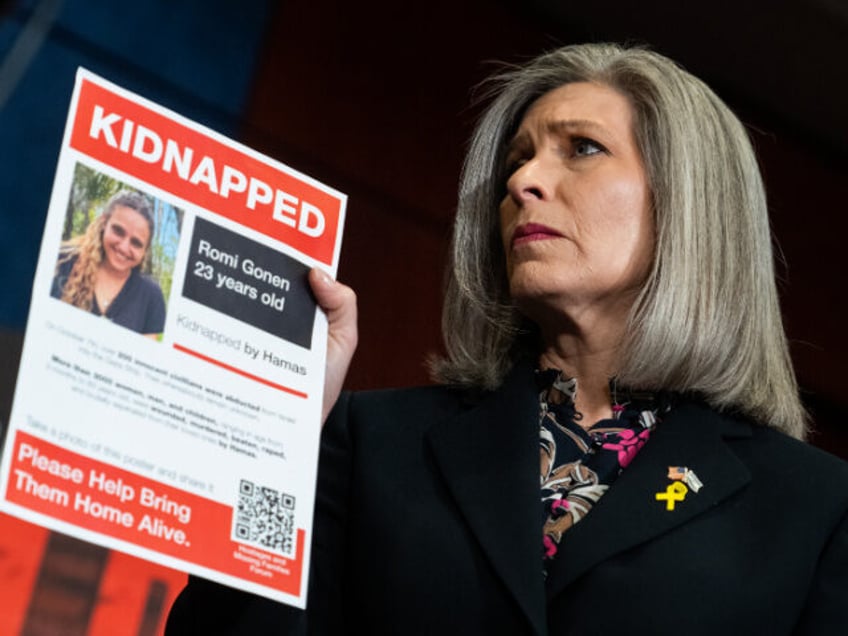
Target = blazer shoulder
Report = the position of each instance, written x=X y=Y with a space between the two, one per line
x=406 y=404
x=763 y=445
x=442 y=399
x=798 y=470
x=777 y=463
x=780 y=447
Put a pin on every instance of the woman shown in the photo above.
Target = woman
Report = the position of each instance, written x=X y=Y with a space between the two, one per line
x=613 y=336
x=100 y=271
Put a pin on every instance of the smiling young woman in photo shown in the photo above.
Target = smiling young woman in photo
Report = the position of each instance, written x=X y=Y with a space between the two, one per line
x=100 y=271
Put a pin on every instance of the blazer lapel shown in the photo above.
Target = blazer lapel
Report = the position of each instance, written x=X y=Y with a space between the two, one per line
x=489 y=457
x=630 y=514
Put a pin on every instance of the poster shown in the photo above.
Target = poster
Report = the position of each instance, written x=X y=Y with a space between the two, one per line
x=168 y=401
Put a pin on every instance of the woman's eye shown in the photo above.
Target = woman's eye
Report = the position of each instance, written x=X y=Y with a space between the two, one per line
x=586 y=147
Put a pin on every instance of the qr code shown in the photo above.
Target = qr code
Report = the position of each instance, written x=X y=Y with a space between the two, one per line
x=264 y=517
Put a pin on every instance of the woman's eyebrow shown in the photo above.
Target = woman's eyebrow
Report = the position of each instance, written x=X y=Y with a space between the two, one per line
x=557 y=127
x=560 y=126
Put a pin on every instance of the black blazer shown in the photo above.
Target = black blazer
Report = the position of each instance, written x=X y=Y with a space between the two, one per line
x=428 y=521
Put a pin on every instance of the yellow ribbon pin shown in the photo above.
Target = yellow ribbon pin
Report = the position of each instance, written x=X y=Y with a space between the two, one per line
x=674 y=493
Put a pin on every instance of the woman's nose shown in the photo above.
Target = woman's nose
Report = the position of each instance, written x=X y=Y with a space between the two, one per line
x=126 y=245
x=528 y=182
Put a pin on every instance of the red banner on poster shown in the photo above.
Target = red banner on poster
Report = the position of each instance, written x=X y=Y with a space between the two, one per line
x=199 y=168
x=113 y=502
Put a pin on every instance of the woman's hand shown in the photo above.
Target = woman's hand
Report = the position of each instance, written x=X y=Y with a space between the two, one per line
x=339 y=303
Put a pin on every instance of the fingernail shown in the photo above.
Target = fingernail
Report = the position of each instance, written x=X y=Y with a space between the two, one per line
x=325 y=278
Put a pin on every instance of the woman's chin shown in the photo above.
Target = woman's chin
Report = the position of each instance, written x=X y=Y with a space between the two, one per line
x=119 y=267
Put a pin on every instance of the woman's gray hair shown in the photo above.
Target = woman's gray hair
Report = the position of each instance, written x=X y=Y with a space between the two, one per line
x=707 y=320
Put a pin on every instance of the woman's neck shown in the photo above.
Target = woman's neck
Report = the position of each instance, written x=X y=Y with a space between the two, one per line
x=592 y=357
x=108 y=285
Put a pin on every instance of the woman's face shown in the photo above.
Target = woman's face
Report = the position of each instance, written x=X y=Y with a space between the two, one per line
x=576 y=222
x=125 y=239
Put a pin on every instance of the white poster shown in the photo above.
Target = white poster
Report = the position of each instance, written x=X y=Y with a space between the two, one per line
x=168 y=401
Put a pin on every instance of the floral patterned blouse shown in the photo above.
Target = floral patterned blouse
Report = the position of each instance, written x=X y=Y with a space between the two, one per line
x=579 y=465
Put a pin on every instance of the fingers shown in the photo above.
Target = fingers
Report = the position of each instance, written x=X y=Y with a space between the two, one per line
x=339 y=303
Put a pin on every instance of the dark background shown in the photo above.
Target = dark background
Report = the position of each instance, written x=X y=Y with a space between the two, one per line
x=374 y=99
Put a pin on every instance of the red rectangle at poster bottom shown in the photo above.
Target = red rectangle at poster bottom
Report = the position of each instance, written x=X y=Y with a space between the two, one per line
x=143 y=512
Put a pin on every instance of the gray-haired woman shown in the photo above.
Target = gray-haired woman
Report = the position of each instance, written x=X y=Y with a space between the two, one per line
x=615 y=443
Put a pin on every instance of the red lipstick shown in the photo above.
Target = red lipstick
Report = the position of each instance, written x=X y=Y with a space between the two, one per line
x=532 y=232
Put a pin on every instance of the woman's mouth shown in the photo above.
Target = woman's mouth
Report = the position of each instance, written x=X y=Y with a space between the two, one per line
x=120 y=257
x=529 y=232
